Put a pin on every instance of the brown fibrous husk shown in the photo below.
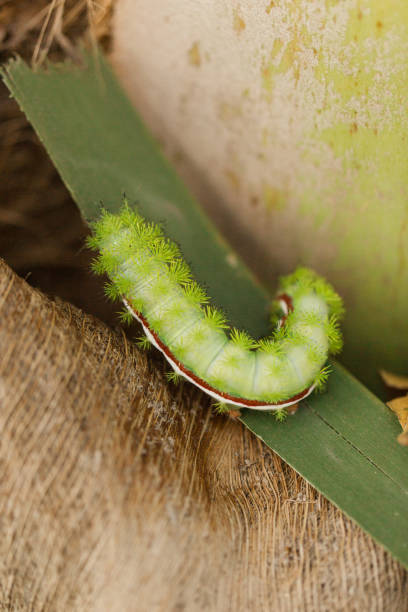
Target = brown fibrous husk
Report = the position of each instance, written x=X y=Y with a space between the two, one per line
x=121 y=492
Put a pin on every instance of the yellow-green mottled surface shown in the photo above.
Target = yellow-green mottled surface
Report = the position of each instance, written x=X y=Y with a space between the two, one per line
x=292 y=130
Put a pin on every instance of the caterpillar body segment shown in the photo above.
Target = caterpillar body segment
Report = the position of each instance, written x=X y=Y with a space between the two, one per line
x=147 y=271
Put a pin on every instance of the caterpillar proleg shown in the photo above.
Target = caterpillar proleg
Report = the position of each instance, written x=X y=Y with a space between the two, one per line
x=148 y=273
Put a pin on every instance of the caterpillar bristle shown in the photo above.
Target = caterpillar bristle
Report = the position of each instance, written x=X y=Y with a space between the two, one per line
x=180 y=272
x=279 y=334
x=165 y=251
x=322 y=378
x=174 y=377
x=143 y=343
x=137 y=305
x=309 y=317
x=126 y=317
x=302 y=277
x=334 y=335
x=242 y=339
x=270 y=346
x=97 y=266
x=92 y=242
x=123 y=285
x=112 y=292
x=195 y=293
x=221 y=407
x=215 y=318
x=281 y=414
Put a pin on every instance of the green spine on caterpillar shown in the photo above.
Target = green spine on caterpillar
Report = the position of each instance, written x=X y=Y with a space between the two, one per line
x=147 y=269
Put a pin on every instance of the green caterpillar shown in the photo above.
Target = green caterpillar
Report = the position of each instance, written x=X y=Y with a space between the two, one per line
x=148 y=273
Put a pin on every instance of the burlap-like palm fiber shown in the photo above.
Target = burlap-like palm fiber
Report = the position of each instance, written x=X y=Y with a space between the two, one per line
x=119 y=492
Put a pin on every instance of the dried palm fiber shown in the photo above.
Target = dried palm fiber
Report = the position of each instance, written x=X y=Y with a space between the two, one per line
x=53 y=29
x=41 y=231
x=119 y=493
x=114 y=488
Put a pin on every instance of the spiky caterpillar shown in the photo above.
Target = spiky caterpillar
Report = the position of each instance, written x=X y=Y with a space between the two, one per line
x=148 y=273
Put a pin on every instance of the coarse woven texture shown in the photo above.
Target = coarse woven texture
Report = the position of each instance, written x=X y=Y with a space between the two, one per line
x=149 y=271
x=109 y=475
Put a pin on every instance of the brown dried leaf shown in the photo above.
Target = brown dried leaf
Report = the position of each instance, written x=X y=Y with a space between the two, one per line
x=234 y=414
x=399 y=405
x=403 y=438
x=292 y=409
x=396 y=381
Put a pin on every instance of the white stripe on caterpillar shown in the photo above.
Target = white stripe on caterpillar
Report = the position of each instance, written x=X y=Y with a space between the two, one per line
x=148 y=273
x=212 y=392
